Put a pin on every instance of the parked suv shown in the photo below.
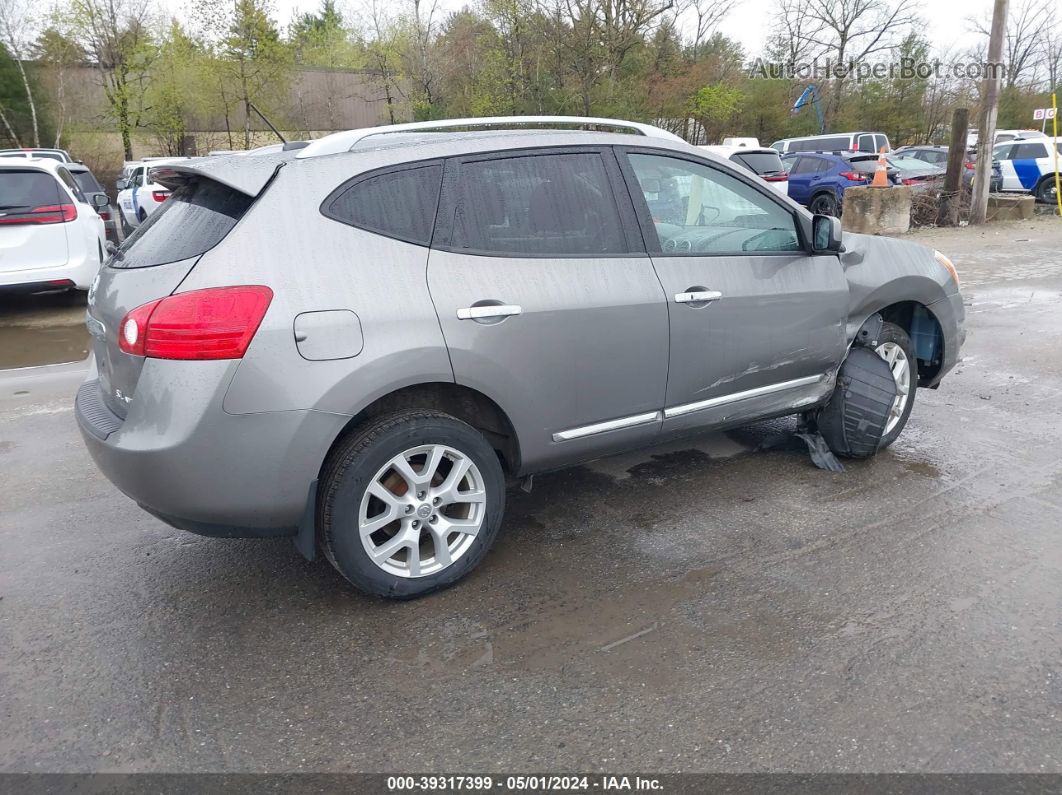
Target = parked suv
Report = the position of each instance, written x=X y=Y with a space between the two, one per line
x=51 y=236
x=818 y=180
x=360 y=343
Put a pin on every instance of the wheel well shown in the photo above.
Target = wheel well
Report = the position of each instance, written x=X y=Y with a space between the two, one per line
x=1044 y=179
x=459 y=401
x=925 y=333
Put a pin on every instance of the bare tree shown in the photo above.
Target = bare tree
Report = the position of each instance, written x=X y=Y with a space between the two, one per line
x=707 y=14
x=848 y=32
x=16 y=19
x=1028 y=24
x=795 y=33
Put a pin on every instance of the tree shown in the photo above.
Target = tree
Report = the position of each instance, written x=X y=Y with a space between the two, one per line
x=1028 y=24
x=848 y=32
x=59 y=52
x=116 y=36
x=16 y=19
x=256 y=58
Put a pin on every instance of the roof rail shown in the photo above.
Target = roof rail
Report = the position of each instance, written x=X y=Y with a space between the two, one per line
x=345 y=141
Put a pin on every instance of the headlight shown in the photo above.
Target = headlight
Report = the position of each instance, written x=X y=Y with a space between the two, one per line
x=947 y=263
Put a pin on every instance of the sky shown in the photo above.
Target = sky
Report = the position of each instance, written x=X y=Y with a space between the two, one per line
x=946 y=20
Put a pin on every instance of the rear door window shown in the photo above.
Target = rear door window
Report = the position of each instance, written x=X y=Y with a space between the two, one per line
x=881 y=141
x=537 y=205
x=194 y=219
x=866 y=143
x=397 y=203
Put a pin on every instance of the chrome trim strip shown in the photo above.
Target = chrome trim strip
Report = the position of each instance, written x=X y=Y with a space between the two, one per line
x=611 y=425
x=697 y=297
x=688 y=408
x=489 y=310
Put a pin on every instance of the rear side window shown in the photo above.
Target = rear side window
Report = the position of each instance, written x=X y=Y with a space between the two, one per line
x=194 y=219
x=22 y=191
x=762 y=163
x=399 y=204
x=538 y=205
x=64 y=175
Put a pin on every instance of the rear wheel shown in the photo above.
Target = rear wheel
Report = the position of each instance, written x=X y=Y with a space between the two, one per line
x=824 y=204
x=410 y=503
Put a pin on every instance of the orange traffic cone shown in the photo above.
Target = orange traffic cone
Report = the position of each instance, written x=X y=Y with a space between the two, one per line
x=881 y=176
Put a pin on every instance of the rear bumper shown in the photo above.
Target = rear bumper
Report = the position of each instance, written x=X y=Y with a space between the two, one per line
x=183 y=459
x=79 y=271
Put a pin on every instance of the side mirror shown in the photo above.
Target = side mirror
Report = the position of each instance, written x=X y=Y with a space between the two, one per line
x=110 y=248
x=121 y=184
x=100 y=201
x=826 y=233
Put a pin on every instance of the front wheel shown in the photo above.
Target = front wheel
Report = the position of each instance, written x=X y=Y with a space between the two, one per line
x=410 y=503
x=894 y=346
x=1046 y=192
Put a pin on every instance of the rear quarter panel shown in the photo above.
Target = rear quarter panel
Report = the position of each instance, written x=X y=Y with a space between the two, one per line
x=313 y=263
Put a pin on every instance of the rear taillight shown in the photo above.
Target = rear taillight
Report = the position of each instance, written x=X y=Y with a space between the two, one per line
x=854 y=176
x=106 y=216
x=160 y=195
x=969 y=164
x=909 y=181
x=216 y=323
x=778 y=178
x=48 y=214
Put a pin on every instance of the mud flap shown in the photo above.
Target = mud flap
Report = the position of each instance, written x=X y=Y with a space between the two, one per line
x=854 y=420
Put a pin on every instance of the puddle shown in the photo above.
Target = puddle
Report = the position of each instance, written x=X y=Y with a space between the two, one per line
x=42 y=329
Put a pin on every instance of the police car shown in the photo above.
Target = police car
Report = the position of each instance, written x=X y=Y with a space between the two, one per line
x=138 y=198
x=1027 y=165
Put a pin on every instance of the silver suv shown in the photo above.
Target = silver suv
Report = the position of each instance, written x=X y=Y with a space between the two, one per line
x=360 y=343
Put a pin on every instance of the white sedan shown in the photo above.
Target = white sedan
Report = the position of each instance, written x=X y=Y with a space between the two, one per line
x=51 y=236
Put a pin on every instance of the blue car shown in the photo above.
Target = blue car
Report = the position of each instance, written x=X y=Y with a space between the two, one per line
x=818 y=180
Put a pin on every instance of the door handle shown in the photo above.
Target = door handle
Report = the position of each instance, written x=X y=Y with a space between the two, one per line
x=698 y=297
x=487 y=311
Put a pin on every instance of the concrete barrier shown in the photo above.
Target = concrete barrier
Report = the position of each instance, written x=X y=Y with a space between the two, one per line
x=1002 y=207
x=877 y=211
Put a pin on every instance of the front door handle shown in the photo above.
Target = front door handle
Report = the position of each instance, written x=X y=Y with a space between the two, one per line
x=488 y=311
x=698 y=297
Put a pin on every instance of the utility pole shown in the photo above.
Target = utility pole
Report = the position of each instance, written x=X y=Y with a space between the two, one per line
x=989 y=109
x=952 y=193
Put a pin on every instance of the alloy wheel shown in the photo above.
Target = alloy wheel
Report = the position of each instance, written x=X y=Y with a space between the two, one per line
x=895 y=356
x=422 y=510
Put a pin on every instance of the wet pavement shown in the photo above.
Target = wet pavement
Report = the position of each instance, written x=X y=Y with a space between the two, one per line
x=688 y=608
x=47 y=328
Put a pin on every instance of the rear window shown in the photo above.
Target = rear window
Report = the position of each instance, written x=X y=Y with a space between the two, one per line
x=194 y=219
x=21 y=190
x=399 y=204
x=87 y=182
x=762 y=163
